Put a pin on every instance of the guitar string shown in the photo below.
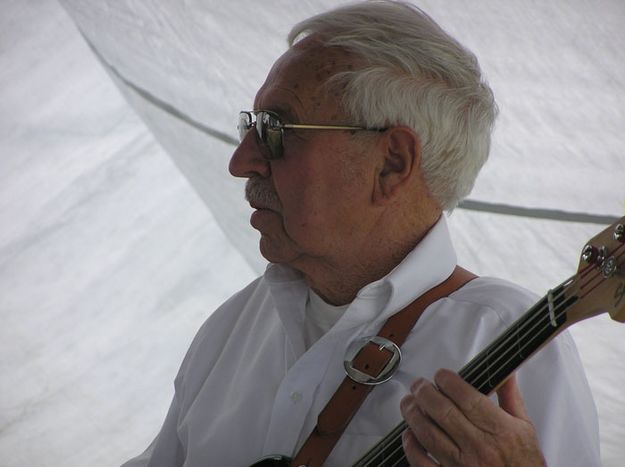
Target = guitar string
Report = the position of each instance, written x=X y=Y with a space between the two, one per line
x=396 y=438
x=618 y=267
x=395 y=441
x=383 y=453
x=534 y=319
x=539 y=313
x=397 y=447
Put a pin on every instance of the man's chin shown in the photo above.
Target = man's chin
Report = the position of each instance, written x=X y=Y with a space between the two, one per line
x=274 y=252
x=275 y=245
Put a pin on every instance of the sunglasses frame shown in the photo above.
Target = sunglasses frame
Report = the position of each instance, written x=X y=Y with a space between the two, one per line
x=270 y=129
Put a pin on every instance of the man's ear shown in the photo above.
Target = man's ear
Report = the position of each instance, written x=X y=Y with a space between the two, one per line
x=402 y=159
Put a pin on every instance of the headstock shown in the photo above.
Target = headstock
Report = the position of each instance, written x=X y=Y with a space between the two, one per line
x=600 y=278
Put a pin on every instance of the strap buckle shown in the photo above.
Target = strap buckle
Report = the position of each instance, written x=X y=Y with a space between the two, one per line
x=385 y=373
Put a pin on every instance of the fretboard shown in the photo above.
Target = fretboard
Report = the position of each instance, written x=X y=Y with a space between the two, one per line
x=488 y=369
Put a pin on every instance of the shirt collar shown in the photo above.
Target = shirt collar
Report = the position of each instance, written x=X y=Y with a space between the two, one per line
x=427 y=265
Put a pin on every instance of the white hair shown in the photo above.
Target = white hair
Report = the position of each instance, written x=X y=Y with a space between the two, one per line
x=410 y=72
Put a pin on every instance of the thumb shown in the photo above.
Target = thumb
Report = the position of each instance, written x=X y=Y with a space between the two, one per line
x=510 y=399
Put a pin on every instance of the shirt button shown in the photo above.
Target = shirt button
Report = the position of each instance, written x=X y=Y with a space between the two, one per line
x=296 y=396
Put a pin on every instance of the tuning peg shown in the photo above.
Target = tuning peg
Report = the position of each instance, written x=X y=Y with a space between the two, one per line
x=619 y=233
x=589 y=253
x=609 y=267
x=593 y=255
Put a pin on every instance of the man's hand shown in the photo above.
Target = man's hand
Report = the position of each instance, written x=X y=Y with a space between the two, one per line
x=459 y=426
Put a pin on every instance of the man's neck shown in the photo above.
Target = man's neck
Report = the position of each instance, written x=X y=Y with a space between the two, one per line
x=338 y=282
x=339 y=285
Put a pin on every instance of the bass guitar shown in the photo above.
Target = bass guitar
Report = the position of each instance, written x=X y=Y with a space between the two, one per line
x=597 y=287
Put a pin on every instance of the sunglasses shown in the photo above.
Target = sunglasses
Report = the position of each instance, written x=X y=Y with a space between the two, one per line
x=270 y=130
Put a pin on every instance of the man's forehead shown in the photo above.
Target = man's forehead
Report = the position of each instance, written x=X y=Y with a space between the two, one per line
x=296 y=79
x=311 y=55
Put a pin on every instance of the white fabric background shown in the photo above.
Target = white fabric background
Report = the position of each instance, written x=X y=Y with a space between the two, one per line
x=109 y=259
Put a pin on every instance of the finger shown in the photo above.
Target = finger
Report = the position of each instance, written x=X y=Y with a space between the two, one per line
x=475 y=406
x=510 y=399
x=415 y=453
x=415 y=409
x=458 y=430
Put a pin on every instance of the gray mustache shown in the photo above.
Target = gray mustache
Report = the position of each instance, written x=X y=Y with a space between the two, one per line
x=261 y=192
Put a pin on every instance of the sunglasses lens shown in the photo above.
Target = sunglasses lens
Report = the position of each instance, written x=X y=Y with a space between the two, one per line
x=244 y=125
x=270 y=131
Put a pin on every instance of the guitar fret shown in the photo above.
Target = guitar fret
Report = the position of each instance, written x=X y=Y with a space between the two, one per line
x=491 y=366
x=378 y=455
x=536 y=327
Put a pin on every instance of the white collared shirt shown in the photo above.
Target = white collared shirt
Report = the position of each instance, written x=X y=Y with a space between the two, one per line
x=249 y=387
x=319 y=317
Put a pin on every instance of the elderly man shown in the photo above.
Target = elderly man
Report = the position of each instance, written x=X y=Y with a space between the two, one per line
x=373 y=123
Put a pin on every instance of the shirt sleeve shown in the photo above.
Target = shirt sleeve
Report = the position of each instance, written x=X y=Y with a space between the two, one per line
x=560 y=404
x=552 y=382
x=170 y=448
x=166 y=449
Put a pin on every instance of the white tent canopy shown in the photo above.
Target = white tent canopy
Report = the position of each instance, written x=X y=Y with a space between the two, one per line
x=109 y=261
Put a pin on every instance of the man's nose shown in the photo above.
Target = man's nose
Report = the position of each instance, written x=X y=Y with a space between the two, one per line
x=247 y=159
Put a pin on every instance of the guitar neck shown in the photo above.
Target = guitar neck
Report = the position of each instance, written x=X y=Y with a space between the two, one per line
x=597 y=287
x=541 y=323
x=492 y=366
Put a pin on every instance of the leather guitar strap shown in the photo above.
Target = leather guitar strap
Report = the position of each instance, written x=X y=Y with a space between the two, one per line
x=371 y=359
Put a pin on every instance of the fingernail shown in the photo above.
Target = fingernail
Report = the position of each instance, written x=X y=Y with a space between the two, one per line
x=415 y=384
x=404 y=438
x=441 y=377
